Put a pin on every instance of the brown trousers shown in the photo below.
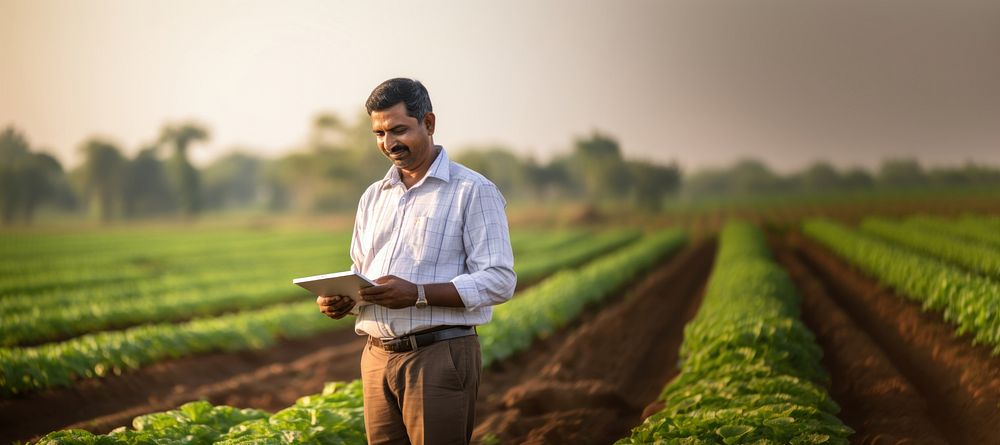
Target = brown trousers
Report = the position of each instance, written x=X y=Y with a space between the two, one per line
x=427 y=396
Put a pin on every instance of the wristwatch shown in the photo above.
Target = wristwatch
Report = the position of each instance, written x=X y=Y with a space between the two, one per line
x=421 y=297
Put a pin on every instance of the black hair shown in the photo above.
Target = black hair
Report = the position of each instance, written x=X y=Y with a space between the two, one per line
x=393 y=91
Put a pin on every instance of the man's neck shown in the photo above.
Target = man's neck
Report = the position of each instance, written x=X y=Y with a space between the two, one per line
x=411 y=178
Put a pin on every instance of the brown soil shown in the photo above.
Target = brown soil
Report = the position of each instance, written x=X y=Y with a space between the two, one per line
x=876 y=400
x=591 y=383
x=959 y=382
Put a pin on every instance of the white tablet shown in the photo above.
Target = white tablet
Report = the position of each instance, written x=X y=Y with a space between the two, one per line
x=340 y=283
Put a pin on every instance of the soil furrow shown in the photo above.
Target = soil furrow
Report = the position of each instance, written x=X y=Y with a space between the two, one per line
x=590 y=384
x=876 y=400
x=960 y=381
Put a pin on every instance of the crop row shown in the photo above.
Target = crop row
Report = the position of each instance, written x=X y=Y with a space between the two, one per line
x=750 y=370
x=970 y=301
x=972 y=256
x=93 y=355
x=537 y=263
x=336 y=414
x=530 y=240
x=969 y=228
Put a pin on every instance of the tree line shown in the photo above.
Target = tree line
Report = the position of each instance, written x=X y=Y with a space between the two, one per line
x=159 y=179
x=339 y=159
x=751 y=177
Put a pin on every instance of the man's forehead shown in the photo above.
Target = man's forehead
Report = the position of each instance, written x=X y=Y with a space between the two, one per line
x=391 y=117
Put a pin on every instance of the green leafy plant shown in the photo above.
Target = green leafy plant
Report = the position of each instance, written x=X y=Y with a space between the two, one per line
x=750 y=370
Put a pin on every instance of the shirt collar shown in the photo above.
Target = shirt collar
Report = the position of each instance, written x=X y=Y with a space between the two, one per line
x=439 y=169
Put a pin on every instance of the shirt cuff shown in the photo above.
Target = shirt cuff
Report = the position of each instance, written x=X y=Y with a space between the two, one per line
x=468 y=291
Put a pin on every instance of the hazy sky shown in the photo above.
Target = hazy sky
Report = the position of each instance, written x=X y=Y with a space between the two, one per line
x=701 y=82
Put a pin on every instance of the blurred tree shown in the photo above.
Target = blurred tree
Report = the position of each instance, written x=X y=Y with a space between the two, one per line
x=745 y=177
x=651 y=184
x=102 y=173
x=708 y=182
x=26 y=179
x=331 y=172
x=901 y=173
x=316 y=177
x=820 y=176
x=14 y=149
x=968 y=174
x=502 y=167
x=233 y=181
x=186 y=180
x=751 y=176
x=44 y=180
x=555 y=180
x=326 y=130
x=147 y=189
x=858 y=178
x=597 y=162
x=369 y=162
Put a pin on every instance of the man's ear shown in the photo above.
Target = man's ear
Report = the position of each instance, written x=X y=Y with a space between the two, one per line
x=429 y=120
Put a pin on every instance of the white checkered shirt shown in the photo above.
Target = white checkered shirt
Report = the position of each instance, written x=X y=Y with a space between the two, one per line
x=449 y=227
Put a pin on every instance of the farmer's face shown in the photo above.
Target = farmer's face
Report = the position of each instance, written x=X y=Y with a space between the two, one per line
x=406 y=141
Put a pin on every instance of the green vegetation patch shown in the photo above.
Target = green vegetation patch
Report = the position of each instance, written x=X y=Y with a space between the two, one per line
x=969 y=300
x=973 y=256
x=750 y=370
x=969 y=228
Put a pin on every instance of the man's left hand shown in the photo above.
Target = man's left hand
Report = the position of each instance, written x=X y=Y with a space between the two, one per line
x=392 y=292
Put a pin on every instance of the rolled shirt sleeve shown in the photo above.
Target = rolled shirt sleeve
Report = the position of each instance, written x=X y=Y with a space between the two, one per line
x=491 y=279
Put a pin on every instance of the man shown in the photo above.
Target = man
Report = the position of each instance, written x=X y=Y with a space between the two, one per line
x=436 y=234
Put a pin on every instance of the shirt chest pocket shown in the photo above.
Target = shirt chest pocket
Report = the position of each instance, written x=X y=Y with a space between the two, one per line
x=433 y=238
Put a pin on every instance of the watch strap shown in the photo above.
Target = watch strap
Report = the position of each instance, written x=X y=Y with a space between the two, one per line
x=421 y=297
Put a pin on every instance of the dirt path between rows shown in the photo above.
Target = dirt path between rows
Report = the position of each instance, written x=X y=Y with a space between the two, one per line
x=876 y=400
x=959 y=382
x=591 y=383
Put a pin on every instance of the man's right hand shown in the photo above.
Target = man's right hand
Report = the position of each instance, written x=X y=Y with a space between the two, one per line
x=335 y=307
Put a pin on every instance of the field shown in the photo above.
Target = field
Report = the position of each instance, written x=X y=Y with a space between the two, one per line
x=779 y=329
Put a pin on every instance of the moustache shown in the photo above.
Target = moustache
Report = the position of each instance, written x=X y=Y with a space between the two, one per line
x=398 y=148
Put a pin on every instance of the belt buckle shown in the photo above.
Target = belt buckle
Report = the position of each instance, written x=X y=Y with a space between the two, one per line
x=400 y=344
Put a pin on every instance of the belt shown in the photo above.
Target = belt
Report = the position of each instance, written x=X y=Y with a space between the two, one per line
x=412 y=342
